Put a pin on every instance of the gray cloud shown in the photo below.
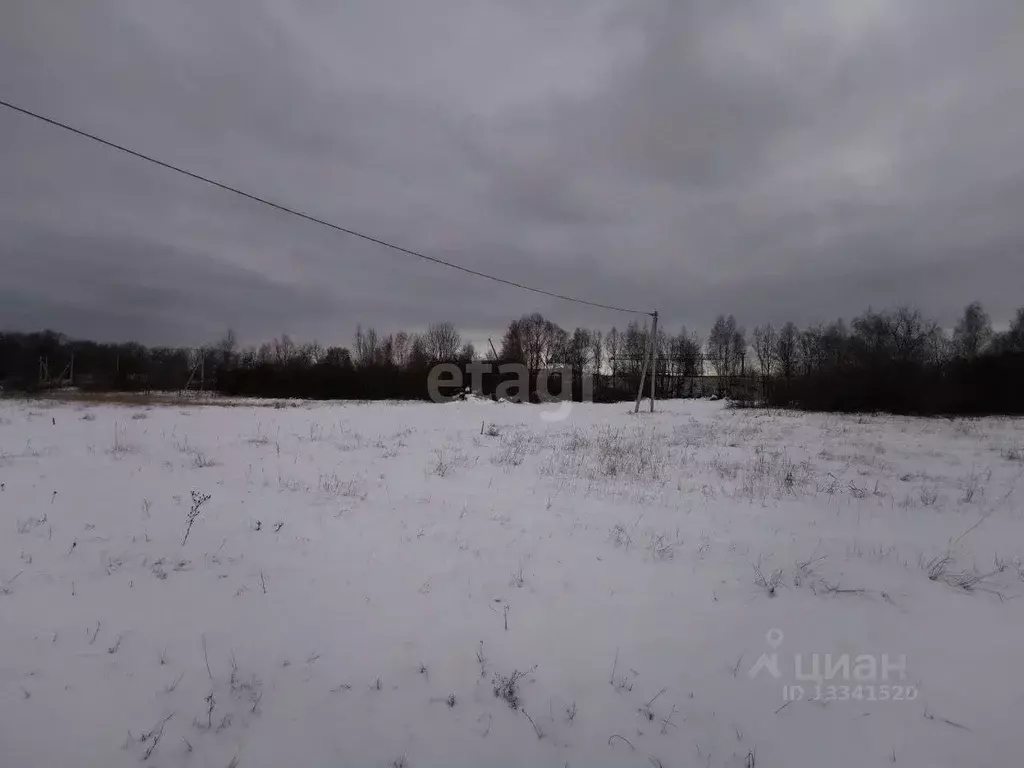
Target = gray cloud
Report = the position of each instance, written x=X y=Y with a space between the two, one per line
x=778 y=160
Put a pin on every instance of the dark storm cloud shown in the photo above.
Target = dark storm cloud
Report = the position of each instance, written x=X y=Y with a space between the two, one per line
x=87 y=285
x=800 y=159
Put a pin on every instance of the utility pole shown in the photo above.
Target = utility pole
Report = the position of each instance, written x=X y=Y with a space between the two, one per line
x=654 y=361
x=648 y=362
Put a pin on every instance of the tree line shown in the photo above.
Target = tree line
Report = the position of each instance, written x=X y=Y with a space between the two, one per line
x=374 y=366
x=894 y=360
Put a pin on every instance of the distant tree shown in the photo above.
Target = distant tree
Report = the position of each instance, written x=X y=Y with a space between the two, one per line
x=442 y=342
x=833 y=345
x=633 y=348
x=512 y=344
x=226 y=348
x=727 y=349
x=467 y=354
x=282 y=349
x=308 y=354
x=809 y=349
x=786 y=350
x=419 y=358
x=911 y=335
x=265 y=354
x=685 y=357
x=337 y=357
x=872 y=338
x=1016 y=332
x=579 y=352
x=596 y=351
x=663 y=345
x=246 y=358
x=719 y=343
x=386 y=351
x=533 y=341
x=401 y=346
x=367 y=347
x=315 y=351
x=738 y=352
x=940 y=346
x=766 y=342
x=973 y=331
x=611 y=346
x=1013 y=339
x=559 y=355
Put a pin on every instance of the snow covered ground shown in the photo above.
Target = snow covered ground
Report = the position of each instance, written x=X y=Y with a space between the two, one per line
x=386 y=585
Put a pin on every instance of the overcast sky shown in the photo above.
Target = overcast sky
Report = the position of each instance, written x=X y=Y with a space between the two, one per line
x=785 y=159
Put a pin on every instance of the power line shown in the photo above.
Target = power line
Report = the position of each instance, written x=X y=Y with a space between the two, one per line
x=306 y=216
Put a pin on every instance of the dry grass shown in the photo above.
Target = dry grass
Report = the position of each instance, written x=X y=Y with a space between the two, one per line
x=173 y=399
x=769 y=583
x=513 y=450
x=506 y=687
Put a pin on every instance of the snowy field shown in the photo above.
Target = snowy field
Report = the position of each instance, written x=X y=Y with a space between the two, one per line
x=392 y=585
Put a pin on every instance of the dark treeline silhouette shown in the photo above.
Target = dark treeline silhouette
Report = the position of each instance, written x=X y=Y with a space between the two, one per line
x=375 y=366
x=894 y=361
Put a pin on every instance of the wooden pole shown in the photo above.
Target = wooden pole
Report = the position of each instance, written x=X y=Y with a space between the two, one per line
x=654 y=361
x=643 y=370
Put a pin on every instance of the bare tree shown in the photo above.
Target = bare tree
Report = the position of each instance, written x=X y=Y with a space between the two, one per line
x=808 y=344
x=578 y=353
x=766 y=342
x=311 y=353
x=973 y=332
x=1016 y=332
x=367 y=347
x=901 y=336
x=265 y=354
x=786 y=350
x=386 y=351
x=419 y=358
x=442 y=342
x=533 y=341
x=512 y=344
x=611 y=345
x=338 y=357
x=1013 y=339
x=633 y=348
x=911 y=333
x=686 y=358
x=718 y=345
x=401 y=346
x=727 y=349
x=282 y=349
x=226 y=348
x=738 y=352
x=833 y=344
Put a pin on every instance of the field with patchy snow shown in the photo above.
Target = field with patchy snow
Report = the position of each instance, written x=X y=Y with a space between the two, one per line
x=470 y=584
